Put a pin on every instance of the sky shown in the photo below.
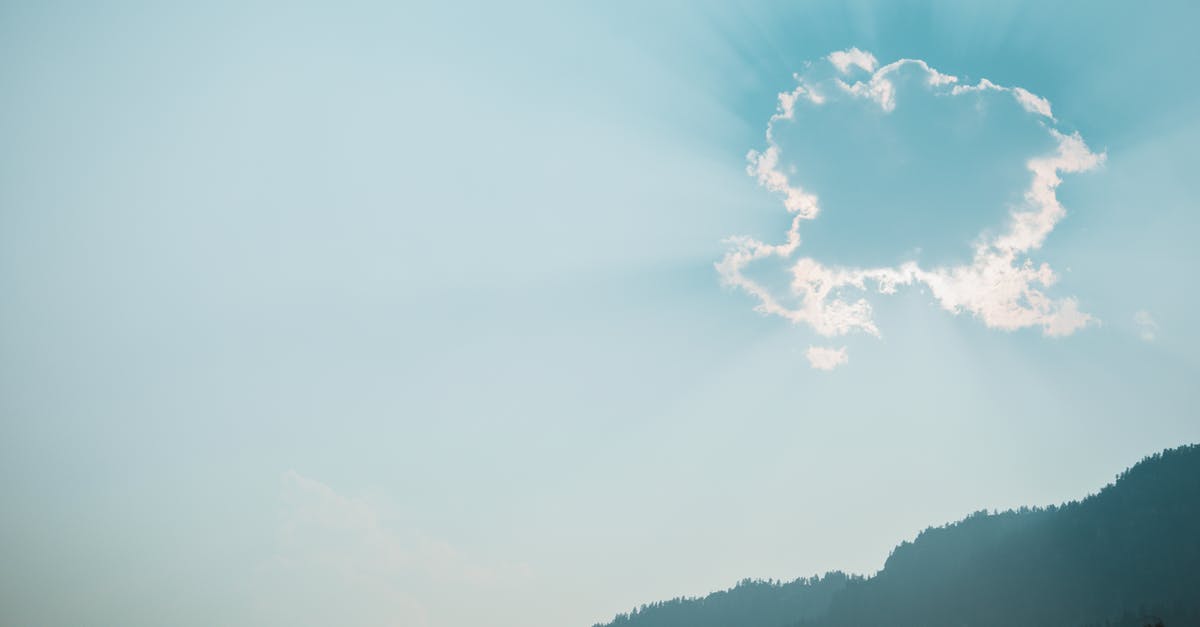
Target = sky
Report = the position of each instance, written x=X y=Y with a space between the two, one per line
x=440 y=314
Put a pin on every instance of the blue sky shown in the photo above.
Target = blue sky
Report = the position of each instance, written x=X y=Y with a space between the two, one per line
x=379 y=314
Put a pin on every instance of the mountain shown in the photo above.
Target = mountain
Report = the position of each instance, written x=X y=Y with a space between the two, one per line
x=752 y=603
x=1126 y=556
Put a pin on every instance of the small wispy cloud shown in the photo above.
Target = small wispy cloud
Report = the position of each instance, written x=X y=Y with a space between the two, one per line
x=343 y=560
x=823 y=358
x=1000 y=285
x=1147 y=328
x=843 y=60
x=1028 y=100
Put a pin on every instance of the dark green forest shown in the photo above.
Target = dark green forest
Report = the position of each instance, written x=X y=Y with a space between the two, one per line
x=1128 y=555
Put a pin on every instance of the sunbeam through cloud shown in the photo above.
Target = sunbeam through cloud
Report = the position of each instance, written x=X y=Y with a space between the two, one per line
x=999 y=283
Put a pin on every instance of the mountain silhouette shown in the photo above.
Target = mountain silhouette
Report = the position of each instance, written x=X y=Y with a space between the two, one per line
x=1126 y=556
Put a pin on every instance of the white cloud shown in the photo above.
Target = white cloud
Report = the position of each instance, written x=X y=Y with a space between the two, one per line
x=843 y=59
x=1146 y=326
x=1028 y=100
x=882 y=90
x=765 y=167
x=1032 y=103
x=826 y=358
x=1001 y=285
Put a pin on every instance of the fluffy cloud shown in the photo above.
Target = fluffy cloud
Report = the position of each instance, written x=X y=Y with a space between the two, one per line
x=1001 y=285
x=882 y=89
x=1028 y=100
x=844 y=59
x=826 y=358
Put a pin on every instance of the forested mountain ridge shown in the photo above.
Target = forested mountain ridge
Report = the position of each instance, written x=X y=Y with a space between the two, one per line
x=752 y=603
x=1127 y=555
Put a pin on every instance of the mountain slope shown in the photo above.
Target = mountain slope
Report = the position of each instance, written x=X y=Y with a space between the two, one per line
x=750 y=604
x=1130 y=551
